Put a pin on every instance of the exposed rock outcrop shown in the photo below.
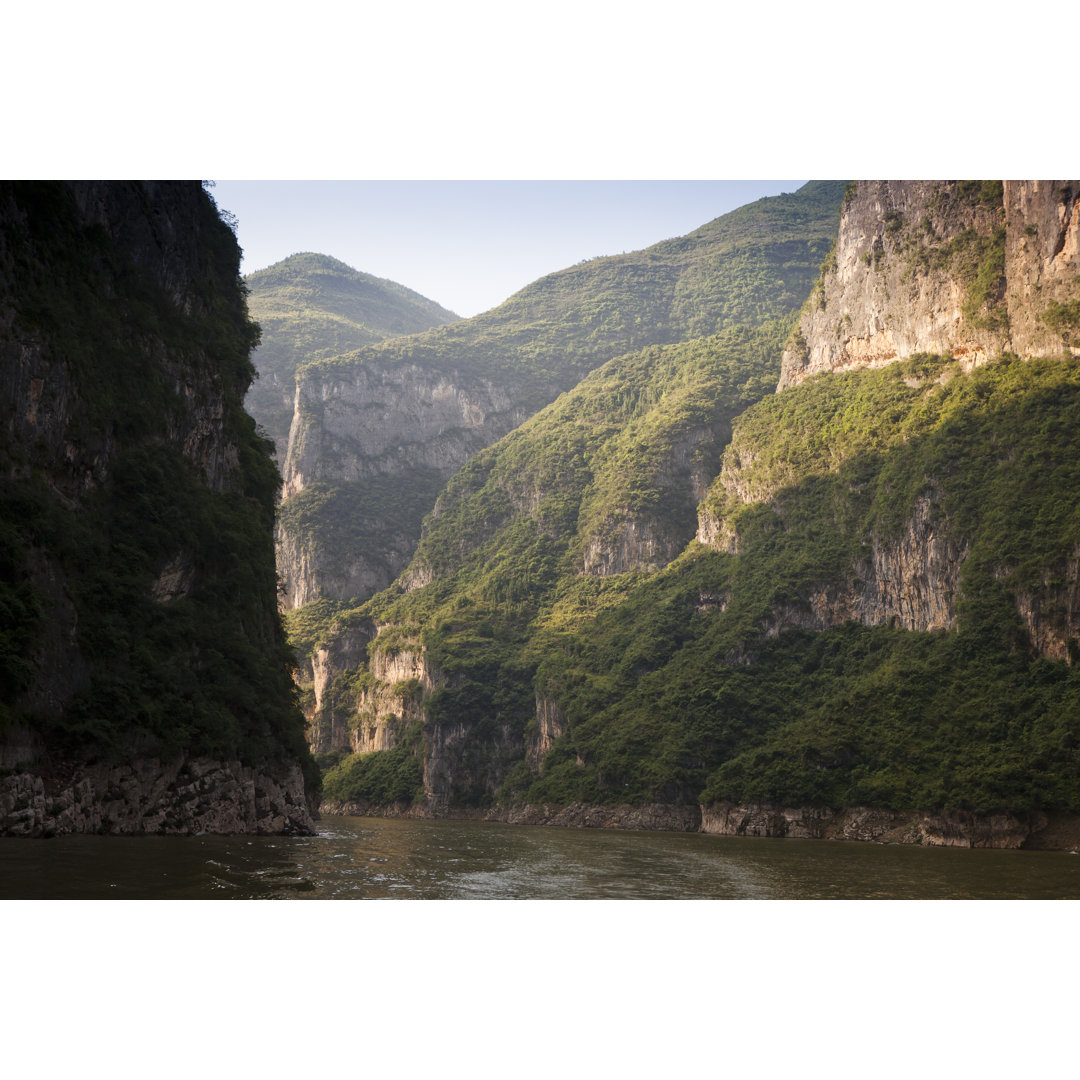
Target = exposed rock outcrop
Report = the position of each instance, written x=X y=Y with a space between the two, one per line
x=550 y=724
x=911 y=581
x=182 y=797
x=940 y=829
x=962 y=268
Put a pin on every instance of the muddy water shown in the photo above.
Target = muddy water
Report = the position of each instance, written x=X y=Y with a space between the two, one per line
x=369 y=858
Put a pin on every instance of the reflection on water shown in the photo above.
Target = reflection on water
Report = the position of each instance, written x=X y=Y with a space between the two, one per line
x=374 y=858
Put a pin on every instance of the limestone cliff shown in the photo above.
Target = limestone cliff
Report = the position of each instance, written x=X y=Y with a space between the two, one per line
x=966 y=268
x=311 y=307
x=136 y=559
x=372 y=445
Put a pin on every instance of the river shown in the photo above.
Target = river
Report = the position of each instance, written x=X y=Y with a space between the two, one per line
x=378 y=858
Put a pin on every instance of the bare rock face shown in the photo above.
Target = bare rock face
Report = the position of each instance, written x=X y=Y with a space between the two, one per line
x=183 y=797
x=550 y=724
x=385 y=711
x=1051 y=612
x=367 y=419
x=961 y=268
x=374 y=422
x=912 y=581
x=631 y=545
x=330 y=712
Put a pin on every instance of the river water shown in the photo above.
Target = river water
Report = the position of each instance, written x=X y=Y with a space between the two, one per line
x=377 y=858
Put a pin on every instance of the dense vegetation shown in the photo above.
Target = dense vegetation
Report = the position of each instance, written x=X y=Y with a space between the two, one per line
x=676 y=693
x=559 y=567
x=670 y=689
x=311 y=307
x=523 y=541
x=201 y=668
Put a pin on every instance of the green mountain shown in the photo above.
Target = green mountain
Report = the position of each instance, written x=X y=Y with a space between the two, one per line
x=675 y=587
x=311 y=307
x=378 y=432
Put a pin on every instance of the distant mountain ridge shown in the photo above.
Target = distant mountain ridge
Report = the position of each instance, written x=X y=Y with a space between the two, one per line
x=311 y=307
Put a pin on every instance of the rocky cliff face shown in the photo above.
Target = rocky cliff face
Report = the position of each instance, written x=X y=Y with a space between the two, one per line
x=965 y=268
x=352 y=424
x=960 y=269
x=943 y=829
x=311 y=307
x=369 y=436
x=133 y=485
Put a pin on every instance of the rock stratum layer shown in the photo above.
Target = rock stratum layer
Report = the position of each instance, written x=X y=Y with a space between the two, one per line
x=136 y=539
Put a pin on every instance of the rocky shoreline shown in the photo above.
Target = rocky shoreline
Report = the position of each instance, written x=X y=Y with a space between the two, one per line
x=184 y=797
x=1035 y=831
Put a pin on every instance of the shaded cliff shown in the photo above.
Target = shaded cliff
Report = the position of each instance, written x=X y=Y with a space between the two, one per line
x=311 y=307
x=137 y=574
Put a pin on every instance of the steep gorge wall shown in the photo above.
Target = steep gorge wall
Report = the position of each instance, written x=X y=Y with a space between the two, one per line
x=130 y=478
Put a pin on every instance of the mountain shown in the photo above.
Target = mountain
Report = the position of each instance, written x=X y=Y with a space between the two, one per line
x=145 y=681
x=378 y=432
x=869 y=633
x=311 y=307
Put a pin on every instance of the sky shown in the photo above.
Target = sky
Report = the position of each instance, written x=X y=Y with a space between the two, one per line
x=468 y=245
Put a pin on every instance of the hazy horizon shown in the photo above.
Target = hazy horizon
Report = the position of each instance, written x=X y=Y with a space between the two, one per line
x=466 y=244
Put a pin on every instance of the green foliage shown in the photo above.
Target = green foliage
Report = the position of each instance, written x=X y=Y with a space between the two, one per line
x=505 y=544
x=202 y=668
x=745 y=267
x=311 y=626
x=674 y=692
x=338 y=519
x=1063 y=319
x=379 y=778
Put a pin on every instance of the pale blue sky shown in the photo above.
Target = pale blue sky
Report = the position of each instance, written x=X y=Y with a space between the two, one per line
x=470 y=244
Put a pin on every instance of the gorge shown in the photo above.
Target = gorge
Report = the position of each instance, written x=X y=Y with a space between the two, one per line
x=772 y=529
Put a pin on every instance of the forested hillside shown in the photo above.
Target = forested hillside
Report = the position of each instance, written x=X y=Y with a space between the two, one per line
x=378 y=432
x=881 y=604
